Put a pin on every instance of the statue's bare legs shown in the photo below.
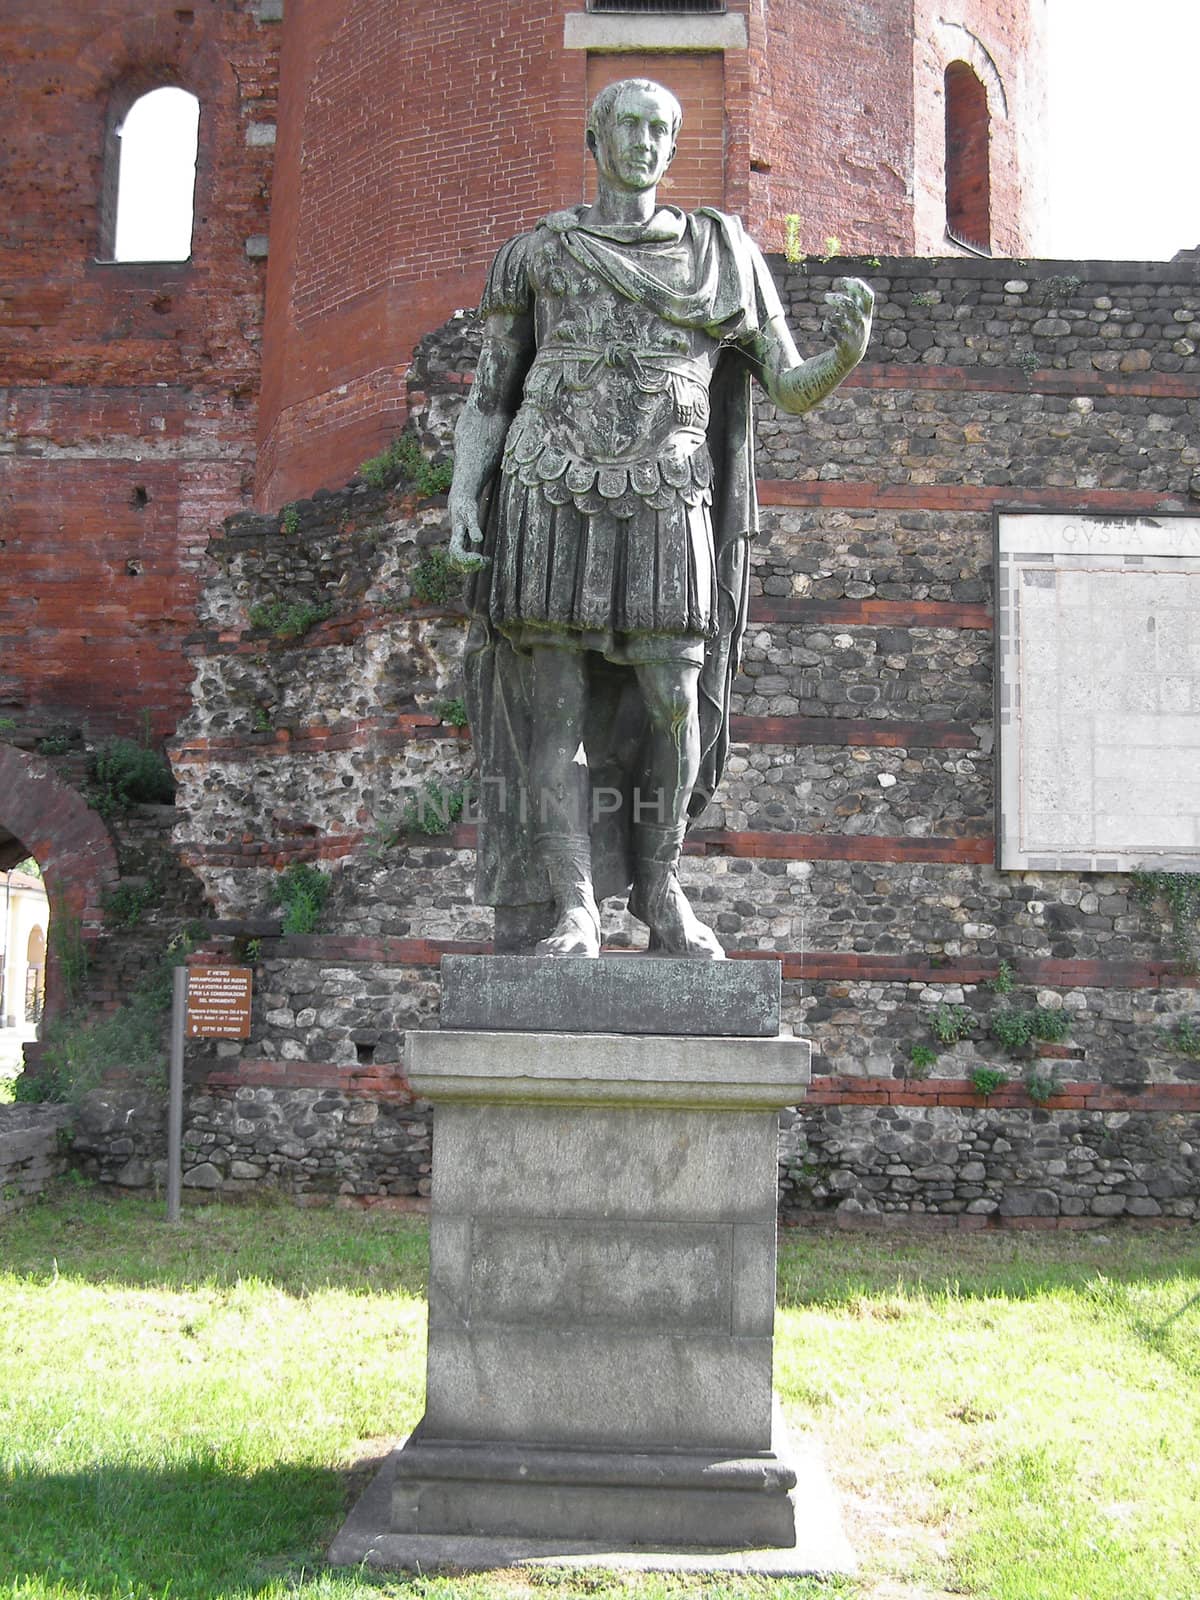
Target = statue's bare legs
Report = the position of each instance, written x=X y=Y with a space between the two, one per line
x=669 y=690
x=559 y=778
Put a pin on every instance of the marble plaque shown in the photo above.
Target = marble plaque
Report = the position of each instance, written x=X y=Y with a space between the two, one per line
x=1098 y=692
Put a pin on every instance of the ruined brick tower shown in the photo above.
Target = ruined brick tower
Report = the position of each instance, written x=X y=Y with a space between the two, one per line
x=414 y=139
x=358 y=161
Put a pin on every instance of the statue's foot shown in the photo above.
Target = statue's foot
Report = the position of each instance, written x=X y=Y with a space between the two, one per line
x=675 y=929
x=577 y=933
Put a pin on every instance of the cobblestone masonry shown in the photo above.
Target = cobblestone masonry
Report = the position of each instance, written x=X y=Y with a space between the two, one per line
x=853 y=835
x=31 y=1153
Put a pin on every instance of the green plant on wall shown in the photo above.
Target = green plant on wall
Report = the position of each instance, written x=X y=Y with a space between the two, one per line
x=921 y=1060
x=301 y=892
x=82 y=1048
x=289 y=521
x=951 y=1024
x=453 y=711
x=1041 y=1083
x=1179 y=892
x=71 y=955
x=792 y=252
x=287 y=619
x=1018 y=1030
x=434 y=581
x=405 y=460
x=124 y=773
x=433 y=809
x=123 y=908
x=986 y=1080
x=1183 y=1038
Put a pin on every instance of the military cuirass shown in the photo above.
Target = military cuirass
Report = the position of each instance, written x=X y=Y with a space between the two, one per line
x=616 y=402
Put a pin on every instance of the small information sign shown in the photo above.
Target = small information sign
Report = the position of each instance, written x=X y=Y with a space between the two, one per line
x=218 y=1002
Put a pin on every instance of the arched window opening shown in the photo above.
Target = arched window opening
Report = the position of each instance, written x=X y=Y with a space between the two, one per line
x=24 y=924
x=968 y=154
x=150 y=178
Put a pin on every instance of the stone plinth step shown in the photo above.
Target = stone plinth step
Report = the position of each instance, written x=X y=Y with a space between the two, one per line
x=616 y=994
x=608 y=1069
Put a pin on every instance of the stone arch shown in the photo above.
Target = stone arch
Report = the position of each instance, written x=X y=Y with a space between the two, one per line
x=960 y=44
x=42 y=816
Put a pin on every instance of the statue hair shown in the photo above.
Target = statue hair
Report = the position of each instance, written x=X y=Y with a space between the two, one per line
x=603 y=106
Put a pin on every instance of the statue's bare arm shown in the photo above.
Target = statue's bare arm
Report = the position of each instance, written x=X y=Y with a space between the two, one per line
x=795 y=385
x=482 y=427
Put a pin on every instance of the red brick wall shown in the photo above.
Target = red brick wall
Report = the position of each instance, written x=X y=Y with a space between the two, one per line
x=830 y=120
x=413 y=141
x=1003 y=42
x=120 y=377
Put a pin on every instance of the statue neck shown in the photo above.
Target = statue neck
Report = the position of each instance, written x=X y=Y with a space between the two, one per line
x=621 y=207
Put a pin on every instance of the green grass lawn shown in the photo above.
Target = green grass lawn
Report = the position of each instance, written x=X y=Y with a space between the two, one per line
x=1008 y=1416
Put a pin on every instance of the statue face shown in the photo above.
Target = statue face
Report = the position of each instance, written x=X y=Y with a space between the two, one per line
x=635 y=149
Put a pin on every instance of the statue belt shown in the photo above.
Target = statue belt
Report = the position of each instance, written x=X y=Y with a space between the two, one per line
x=651 y=370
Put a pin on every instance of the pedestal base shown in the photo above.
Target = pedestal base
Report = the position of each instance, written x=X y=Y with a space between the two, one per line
x=647 y=1497
x=815 y=1544
x=602 y=1283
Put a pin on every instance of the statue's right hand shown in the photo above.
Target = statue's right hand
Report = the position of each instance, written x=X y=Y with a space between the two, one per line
x=464 y=532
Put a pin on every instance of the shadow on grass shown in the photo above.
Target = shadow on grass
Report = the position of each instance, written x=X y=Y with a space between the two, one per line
x=205 y=1533
x=196 y=1532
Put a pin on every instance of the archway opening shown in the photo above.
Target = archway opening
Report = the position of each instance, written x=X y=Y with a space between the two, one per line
x=24 y=935
x=968 y=159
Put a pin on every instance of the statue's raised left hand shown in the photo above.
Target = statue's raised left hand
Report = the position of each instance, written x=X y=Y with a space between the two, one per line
x=848 y=320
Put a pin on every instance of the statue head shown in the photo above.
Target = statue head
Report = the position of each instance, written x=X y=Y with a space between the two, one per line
x=631 y=131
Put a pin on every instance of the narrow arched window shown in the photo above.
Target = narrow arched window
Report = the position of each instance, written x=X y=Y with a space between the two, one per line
x=968 y=178
x=150 y=177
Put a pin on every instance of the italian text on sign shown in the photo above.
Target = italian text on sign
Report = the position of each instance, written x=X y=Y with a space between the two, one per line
x=218 y=1003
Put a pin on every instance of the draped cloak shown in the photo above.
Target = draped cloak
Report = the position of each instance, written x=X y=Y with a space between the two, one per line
x=729 y=299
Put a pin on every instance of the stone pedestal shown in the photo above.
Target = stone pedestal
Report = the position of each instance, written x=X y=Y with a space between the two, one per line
x=602 y=1276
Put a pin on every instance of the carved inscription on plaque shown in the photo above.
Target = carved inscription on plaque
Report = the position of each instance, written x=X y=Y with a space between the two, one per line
x=1098 y=669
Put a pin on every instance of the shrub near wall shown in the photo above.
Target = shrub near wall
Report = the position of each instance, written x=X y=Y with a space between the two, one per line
x=853 y=837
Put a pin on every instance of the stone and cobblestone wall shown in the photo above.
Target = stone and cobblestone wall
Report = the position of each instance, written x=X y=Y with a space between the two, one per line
x=853 y=837
x=32 y=1153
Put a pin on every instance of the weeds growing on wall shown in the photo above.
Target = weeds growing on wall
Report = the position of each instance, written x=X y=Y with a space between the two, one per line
x=453 y=711
x=1183 y=1038
x=124 y=773
x=1180 y=893
x=405 y=461
x=301 y=891
x=70 y=955
x=434 y=580
x=123 y=908
x=1018 y=1030
x=81 y=1049
x=287 y=619
x=921 y=1061
x=950 y=1024
x=434 y=809
x=986 y=1080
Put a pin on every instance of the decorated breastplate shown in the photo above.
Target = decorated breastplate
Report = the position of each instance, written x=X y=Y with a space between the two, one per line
x=615 y=405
